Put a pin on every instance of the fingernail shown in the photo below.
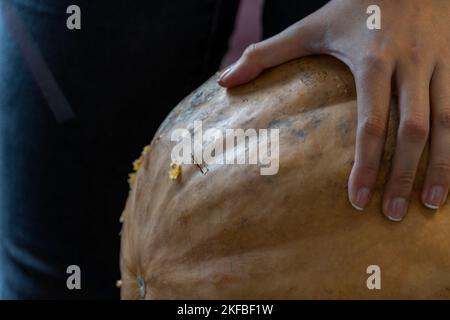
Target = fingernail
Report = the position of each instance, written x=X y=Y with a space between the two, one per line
x=396 y=209
x=224 y=74
x=434 y=197
x=362 y=197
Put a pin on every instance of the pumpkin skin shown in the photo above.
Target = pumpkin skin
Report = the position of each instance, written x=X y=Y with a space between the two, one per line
x=235 y=234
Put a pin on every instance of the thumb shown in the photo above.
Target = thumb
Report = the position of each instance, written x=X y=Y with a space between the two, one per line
x=301 y=39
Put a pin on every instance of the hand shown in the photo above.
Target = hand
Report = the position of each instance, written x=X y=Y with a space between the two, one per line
x=412 y=52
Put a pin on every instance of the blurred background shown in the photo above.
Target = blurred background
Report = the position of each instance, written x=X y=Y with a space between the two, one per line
x=247 y=29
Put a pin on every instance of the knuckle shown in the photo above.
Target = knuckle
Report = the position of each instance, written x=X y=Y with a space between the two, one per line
x=415 y=56
x=374 y=125
x=375 y=62
x=417 y=52
x=441 y=168
x=367 y=170
x=415 y=129
x=443 y=118
x=253 y=52
x=403 y=180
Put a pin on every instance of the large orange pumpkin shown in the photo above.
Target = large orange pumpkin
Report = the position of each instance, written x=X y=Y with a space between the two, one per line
x=232 y=233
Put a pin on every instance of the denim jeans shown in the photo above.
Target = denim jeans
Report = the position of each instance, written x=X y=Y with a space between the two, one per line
x=63 y=184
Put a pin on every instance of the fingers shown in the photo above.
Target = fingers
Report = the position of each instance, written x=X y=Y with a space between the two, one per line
x=437 y=181
x=373 y=84
x=296 y=41
x=414 y=107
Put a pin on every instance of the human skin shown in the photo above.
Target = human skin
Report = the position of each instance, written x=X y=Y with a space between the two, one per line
x=408 y=56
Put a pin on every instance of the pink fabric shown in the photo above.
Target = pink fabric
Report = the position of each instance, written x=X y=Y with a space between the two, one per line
x=247 y=30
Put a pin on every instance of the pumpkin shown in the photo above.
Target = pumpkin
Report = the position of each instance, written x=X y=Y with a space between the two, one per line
x=229 y=232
